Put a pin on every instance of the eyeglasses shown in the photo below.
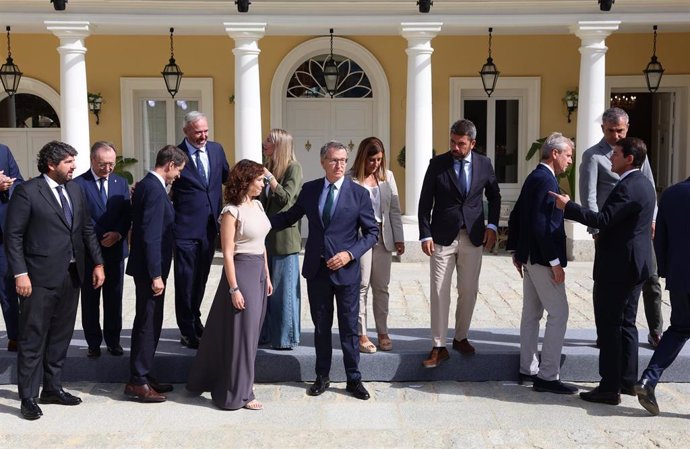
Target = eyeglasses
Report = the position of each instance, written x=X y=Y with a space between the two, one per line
x=335 y=162
x=106 y=165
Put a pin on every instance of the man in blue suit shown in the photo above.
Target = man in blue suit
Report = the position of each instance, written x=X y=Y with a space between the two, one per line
x=342 y=228
x=197 y=201
x=107 y=195
x=9 y=178
x=672 y=250
x=153 y=221
x=537 y=237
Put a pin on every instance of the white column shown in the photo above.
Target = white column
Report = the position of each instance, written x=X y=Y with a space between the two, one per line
x=419 y=112
x=74 y=108
x=248 y=136
x=591 y=105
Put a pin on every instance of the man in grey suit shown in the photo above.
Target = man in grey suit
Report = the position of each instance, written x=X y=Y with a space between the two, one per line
x=596 y=182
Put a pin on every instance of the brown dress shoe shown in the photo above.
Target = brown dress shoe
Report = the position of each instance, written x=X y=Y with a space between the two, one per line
x=438 y=355
x=143 y=393
x=463 y=346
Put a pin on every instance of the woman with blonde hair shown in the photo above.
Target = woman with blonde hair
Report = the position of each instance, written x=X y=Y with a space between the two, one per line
x=283 y=175
x=369 y=170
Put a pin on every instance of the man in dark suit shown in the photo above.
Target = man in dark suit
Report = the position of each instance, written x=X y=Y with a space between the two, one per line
x=672 y=250
x=108 y=197
x=48 y=234
x=622 y=263
x=537 y=237
x=342 y=228
x=149 y=262
x=452 y=232
x=9 y=178
x=197 y=200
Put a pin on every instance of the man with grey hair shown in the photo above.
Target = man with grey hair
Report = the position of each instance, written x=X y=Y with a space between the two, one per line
x=537 y=239
x=596 y=183
x=197 y=200
x=342 y=228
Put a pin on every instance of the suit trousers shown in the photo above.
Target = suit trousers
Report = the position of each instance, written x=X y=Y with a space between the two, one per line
x=615 y=313
x=673 y=339
x=8 y=298
x=466 y=259
x=375 y=267
x=112 y=306
x=146 y=331
x=541 y=293
x=651 y=298
x=46 y=324
x=321 y=291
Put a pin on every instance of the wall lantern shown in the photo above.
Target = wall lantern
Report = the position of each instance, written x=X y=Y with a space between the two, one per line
x=425 y=5
x=10 y=75
x=654 y=70
x=243 y=5
x=95 y=104
x=489 y=72
x=172 y=74
x=570 y=101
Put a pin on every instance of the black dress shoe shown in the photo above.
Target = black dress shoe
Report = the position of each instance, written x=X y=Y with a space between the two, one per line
x=158 y=387
x=199 y=329
x=30 y=410
x=93 y=352
x=59 y=397
x=553 y=386
x=319 y=386
x=190 y=342
x=602 y=397
x=116 y=350
x=628 y=391
x=357 y=390
x=646 y=397
x=526 y=378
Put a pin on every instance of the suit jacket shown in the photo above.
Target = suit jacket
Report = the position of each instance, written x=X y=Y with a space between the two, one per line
x=10 y=168
x=352 y=228
x=671 y=240
x=391 y=226
x=195 y=204
x=624 y=250
x=38 y=239
x=111 y=217
x=288 y=240
x=443 y=209
x=597 y=180
x=153 y=222
x=535 y=228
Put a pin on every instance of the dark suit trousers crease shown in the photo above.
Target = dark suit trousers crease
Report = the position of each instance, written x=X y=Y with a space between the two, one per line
x=651 y=298
x=8 y=298
x=615 y=312
x=192 y=265
x=146 y=330
x=46 y=324
x=112 y=306
x=673 y=339
x=321 y=292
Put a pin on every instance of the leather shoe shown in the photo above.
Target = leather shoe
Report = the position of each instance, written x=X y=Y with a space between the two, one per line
x=319 y=386
x=116 y=350
x=143 y=393
x=437 y=355
x=199 y=329
x=553 y=386
x=12 y=345
x=628 y=391
x=190 y=342
x=602 y=397
x=59 y=397
x=646 y=397
x=93 y=353
x=356 y=389
x=653 y=339
x=158 y=387
x=463 y=346
x=30 y=410
x=525 y=378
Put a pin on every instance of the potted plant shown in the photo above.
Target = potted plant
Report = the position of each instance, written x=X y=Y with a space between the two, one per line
x=121 y=163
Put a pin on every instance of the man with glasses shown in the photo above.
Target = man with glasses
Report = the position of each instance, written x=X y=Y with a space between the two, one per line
x=342 y=228
x=107 y=196
x=452 y=232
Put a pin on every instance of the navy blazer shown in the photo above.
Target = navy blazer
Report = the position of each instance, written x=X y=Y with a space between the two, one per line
x=111 y=217
x=624 y=247
x=443 y=208
x=671 y=240
x=153 y=222
x=10 y=168
x=195 y=204
x=535 y=228
x=352 y=228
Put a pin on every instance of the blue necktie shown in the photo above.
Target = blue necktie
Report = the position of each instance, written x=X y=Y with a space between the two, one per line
x=328 y=206
x=200 y=168
x=66 y=208
x=104 y=194
x=462 y=178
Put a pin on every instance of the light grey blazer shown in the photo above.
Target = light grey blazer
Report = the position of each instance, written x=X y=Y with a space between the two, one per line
x=390 y=212
x=597 y=180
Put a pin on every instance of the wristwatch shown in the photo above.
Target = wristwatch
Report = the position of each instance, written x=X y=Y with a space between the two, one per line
x=234 y=289
x=268 y=178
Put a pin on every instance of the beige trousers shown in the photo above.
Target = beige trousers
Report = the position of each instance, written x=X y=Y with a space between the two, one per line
x=466 y=259
x=375 y=266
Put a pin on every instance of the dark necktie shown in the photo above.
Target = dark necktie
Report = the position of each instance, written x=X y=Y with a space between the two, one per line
x=462 y=178
x=328 y=206
x=66 y=208
x=200 y=168
x=104 y=194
